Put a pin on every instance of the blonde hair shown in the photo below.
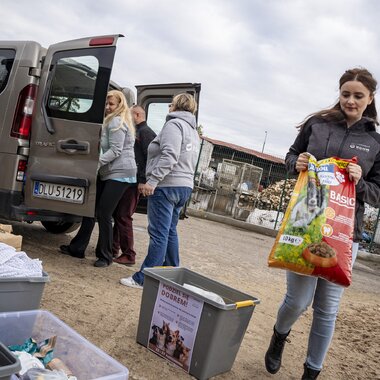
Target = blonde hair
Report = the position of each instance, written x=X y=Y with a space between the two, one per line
x=184 y=102
x=122 y=110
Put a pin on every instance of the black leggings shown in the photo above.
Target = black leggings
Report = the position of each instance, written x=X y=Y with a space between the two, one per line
x=108 y=194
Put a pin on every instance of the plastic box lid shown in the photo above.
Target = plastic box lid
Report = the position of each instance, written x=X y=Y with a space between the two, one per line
x=43 y=278
x=86 y=361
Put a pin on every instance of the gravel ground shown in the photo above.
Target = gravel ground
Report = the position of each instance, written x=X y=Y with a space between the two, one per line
x=92 y=302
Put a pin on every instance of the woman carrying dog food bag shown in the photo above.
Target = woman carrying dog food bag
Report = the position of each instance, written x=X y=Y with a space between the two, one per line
x=346 y=130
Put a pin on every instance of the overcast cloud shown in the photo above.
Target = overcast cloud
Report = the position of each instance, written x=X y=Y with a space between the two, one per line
x=263 y=64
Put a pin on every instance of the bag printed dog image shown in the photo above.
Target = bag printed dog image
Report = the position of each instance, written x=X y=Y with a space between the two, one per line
x=315 y=237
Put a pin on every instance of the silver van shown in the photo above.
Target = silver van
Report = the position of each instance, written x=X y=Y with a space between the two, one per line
x=51 y=111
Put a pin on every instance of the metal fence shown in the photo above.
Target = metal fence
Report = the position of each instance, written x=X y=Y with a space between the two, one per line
x=255 y=189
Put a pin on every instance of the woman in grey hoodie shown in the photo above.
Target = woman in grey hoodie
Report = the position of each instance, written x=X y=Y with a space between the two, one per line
x=172 y=157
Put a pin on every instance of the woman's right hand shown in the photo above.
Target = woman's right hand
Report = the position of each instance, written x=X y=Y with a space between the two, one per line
x=302 y=162
x=146 y=190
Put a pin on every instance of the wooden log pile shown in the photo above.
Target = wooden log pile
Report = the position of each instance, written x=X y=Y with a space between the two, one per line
x=370 y=218
x=269 y=198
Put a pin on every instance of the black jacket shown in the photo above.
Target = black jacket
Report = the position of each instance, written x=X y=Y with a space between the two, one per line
x=144 y=136
x=325 y=139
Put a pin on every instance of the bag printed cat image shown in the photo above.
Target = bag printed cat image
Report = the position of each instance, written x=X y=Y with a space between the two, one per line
x=315 y=237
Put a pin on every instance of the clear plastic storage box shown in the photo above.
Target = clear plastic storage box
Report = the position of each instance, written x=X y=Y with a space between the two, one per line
x=85 y=360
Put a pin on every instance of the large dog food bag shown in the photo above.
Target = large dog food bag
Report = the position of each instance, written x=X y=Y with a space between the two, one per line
x=315 y=237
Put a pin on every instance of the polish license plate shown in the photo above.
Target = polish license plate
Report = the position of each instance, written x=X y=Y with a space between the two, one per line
x=64 y=193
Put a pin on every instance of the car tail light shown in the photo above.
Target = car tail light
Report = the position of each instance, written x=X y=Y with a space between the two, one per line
x=102 y=41
x=22 y=121
x=21 y=170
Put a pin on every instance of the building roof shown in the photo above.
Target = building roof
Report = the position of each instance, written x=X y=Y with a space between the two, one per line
x=252 y=152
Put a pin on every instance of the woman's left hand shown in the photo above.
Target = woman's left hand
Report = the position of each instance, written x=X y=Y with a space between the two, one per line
x=354 y=172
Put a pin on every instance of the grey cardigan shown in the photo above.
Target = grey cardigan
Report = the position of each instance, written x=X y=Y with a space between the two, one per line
x=117 y=159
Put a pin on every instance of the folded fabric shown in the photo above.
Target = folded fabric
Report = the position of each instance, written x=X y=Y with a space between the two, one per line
x=18 y=264
x=45 y=374
x=43 y=351
x=27 y=361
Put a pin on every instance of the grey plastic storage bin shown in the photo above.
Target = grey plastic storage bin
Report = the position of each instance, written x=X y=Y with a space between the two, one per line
x=9 y=364
x=21 y=293
x=221 y=327
x=86 y=361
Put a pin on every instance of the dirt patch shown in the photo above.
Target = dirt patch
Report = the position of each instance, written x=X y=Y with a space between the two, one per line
x=92 y=302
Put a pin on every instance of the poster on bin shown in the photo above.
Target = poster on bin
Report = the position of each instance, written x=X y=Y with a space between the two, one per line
x=174 y=325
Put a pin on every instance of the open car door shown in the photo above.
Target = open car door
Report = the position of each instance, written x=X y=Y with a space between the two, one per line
x=155 y=99
x=66 y=125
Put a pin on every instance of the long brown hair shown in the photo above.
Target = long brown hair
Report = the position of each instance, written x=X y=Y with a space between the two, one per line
x=335 y=113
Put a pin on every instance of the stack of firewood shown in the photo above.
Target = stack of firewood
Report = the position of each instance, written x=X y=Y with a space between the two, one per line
x=370 y=218
x=269 y=198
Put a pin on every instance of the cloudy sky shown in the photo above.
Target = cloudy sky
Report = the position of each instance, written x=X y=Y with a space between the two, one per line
x=263 y=64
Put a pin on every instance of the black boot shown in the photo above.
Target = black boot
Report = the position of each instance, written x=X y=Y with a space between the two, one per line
x=309 y=374
x=274 y=353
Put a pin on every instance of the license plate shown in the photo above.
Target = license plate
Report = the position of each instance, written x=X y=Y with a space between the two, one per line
x=64 y=193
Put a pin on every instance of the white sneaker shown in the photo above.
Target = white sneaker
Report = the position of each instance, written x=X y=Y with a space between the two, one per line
x=129 y=281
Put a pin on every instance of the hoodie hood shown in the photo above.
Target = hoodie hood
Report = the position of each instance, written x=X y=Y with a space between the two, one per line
x=183 y=115
x=364 y=124
x=370 y=124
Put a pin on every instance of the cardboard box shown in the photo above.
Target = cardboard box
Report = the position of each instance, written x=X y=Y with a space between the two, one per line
x=6 y=228
x=12 y=240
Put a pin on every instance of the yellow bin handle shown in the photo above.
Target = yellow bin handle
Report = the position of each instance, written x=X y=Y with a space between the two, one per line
x=244 y=303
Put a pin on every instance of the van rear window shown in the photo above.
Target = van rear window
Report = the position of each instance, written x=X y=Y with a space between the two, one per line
x=77 y=83
x=73 y=85
x=7 y=57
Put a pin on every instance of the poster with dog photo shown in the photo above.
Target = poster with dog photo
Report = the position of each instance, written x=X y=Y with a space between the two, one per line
x=174 y=325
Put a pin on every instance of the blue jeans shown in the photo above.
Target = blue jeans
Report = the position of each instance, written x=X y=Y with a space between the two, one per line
x=164 y=207
x=301 y=290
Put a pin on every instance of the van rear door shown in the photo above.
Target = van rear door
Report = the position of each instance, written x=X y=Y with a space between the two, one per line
x=66 y=125
x=156 y=98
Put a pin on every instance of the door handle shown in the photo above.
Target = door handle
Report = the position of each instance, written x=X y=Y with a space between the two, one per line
x=72 y=146
x=81 y=147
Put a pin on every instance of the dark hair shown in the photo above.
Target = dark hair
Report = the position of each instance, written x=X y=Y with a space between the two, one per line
x=361 y=75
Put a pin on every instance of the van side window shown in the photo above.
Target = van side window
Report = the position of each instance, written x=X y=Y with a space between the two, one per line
x=156 y=114
x=7 y=57
x=73 y=84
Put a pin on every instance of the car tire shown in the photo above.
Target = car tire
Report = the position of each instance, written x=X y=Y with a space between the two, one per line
x=60 y=227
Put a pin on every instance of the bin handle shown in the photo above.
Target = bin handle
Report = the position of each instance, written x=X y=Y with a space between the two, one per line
x=245 y=303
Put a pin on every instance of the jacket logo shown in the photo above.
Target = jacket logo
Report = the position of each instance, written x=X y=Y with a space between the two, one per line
x=361 y=147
